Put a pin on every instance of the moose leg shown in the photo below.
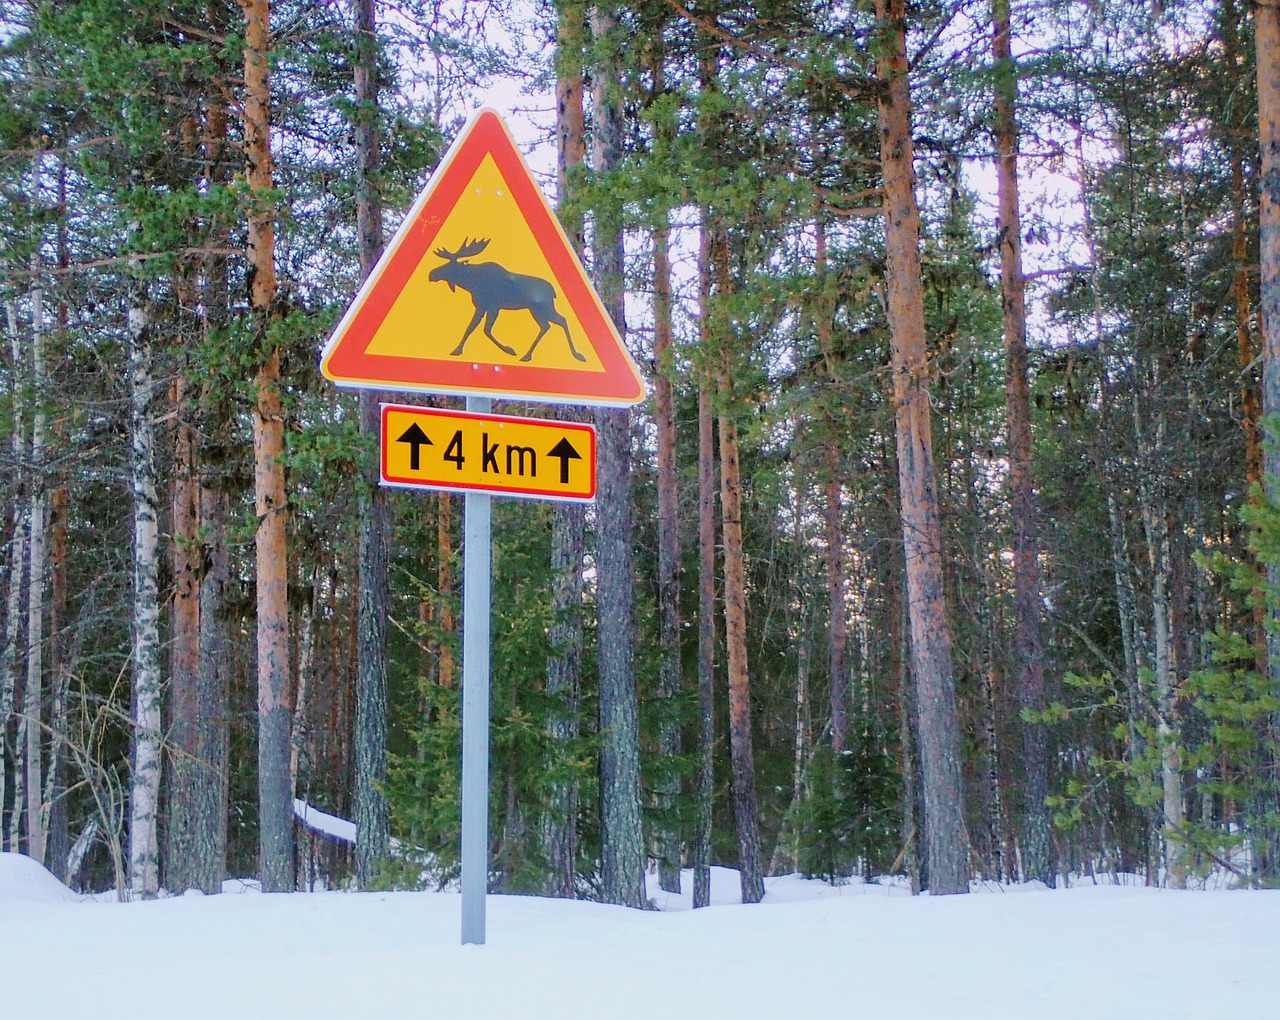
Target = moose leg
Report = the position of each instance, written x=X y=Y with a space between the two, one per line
x=475 y=321
x=545 y=321
x=558 y=319
x=488 y=331
x=536 y=340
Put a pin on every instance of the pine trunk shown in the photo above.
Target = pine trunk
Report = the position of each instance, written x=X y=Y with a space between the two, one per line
x=833 y=516
x=735 y=617
x=275 y=803
x=371 y=815
x=207 y=789
x=703 y=814
x=622 y=858
x=668 y=787
x=945 y=836
x=559 y=824
x=184 y=648
x=837 y=618
x=706 y=642
x=742 y=758
x=1037 y=845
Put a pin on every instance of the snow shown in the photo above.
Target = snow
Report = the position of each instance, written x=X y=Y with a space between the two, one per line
x=24 y=881
x=330 y=825
x=808 y=950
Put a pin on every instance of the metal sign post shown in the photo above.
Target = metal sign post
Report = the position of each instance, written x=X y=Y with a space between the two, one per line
x=477 y=556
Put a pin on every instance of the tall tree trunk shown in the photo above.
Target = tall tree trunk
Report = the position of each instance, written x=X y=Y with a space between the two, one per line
x=745 y=806
x=184 y=647
x=1037 y=844
x=33 y=696
x=706 y=605
x=144 y=855
x=622 y=859
x=1267 y=41
x=1168 y=737
x=945 y=835
x=207 y=781
x=559 y=824
x=61 y=659
x=275 y=804
x=13 y=597
x=898 y=658
x=669 y=855
x=833 y=517
x=838 y=618
x=61 y=664
x=371 y=817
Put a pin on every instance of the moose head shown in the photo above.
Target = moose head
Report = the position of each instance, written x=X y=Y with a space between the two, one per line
x=452 y=270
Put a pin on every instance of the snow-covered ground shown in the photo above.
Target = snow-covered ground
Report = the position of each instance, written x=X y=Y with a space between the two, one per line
x=809 y=950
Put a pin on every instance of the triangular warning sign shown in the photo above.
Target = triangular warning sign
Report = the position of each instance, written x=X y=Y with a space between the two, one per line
x=480 y=293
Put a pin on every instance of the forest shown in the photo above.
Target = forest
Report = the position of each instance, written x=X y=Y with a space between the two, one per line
x=945 y=544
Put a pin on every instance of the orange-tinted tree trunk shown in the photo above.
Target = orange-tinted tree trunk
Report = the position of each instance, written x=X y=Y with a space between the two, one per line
x=275 y=802
x=1037 y=846
x=939 y=745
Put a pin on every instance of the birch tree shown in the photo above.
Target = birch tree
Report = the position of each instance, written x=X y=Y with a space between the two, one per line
x=144 y=799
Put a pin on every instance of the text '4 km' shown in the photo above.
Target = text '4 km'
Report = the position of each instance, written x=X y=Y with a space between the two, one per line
x=428 y=448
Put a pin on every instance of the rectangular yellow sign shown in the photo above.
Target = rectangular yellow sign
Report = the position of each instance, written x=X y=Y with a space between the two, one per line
x=430 y=448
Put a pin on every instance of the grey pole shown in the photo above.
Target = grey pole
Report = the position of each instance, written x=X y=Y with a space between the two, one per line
x=477 y=554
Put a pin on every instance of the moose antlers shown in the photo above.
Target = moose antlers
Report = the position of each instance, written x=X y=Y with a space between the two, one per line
x=468 y=249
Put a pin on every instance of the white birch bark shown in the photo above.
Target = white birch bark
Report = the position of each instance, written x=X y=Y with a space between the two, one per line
x=145 y=788
x=1168 y=737
x=17 y=565
x=32 y=704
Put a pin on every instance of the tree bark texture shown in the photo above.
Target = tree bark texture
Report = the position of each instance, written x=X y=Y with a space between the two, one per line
x=206 y=779
x=939 y=746
x=703 y=812
x=742 y=758
x=622 y=857
x=1037 y=844
x=13 y=596
x=184 y=647
x=144 y=855
x=735 y=617
x=371 y=813
x=275 y=802
x=33 y=696
x=668 y=841
x=838 y=618
x=558 y=827
x=62 y=656
x=833 y=517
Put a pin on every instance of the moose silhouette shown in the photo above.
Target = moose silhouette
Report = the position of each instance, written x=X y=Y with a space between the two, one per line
x=494 y=289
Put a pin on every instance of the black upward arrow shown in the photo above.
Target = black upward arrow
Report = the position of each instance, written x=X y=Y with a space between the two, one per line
x=416 y=439
x=565 y=452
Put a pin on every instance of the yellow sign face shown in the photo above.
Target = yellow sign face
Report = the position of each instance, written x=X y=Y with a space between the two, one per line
x=430 y=448
x=480 y=292
x=483 y=260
